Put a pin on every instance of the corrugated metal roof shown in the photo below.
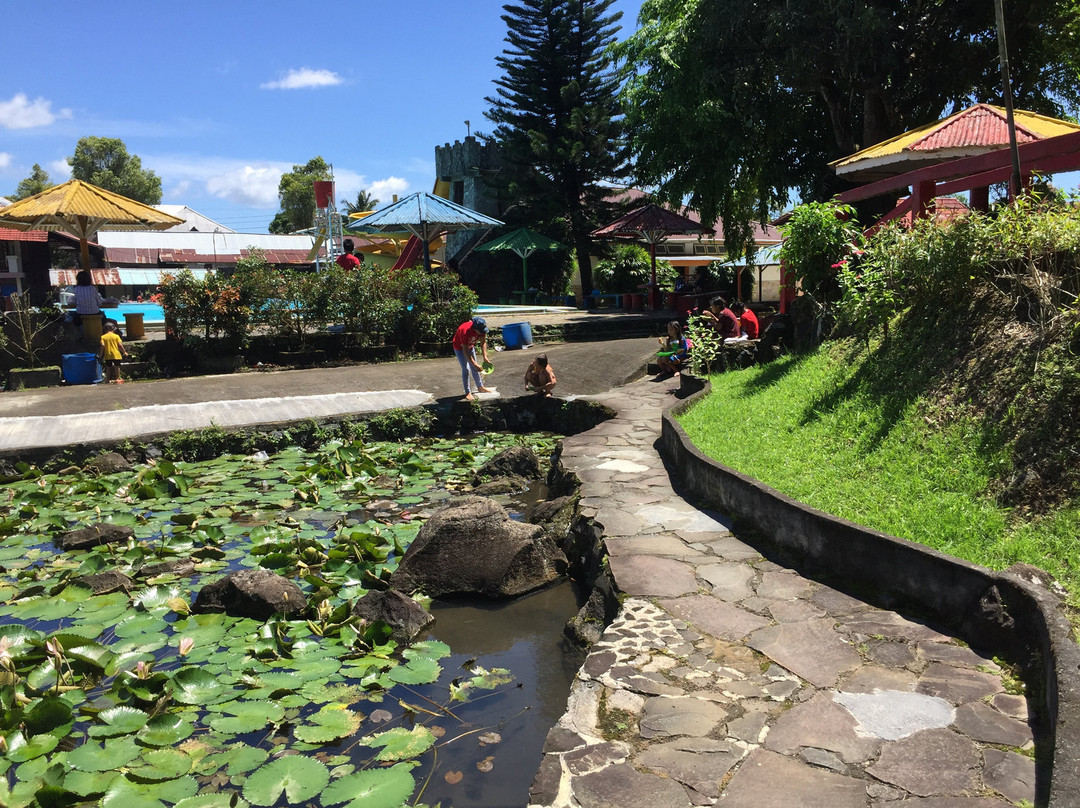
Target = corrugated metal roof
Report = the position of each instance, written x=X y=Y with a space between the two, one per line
x=167 y=247
x=116 y=276
x=192 y=220
x=7 y=234
x=975 y=130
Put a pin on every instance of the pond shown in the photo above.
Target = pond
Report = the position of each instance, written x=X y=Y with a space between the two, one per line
x=126 y=697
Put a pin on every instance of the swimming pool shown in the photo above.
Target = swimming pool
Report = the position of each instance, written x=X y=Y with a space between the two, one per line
x=153 y=314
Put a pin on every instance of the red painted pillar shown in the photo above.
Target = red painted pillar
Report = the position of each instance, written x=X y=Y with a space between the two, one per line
x=787 y=288
x=979 y=199
x=922 y=195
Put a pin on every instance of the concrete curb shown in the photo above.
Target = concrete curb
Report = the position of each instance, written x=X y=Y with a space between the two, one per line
x=992 y=610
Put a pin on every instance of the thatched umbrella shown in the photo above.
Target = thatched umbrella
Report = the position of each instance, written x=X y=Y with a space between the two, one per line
x=83 y=209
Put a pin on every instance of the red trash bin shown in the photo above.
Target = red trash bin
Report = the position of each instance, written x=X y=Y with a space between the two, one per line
x=626 y=300
x=637 y=301
x=673 y=299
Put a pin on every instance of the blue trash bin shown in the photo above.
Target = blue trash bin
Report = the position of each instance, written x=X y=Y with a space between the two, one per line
x=517 y=335
x=80 y=368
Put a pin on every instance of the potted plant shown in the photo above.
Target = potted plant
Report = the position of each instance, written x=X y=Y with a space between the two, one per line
x=27 y=333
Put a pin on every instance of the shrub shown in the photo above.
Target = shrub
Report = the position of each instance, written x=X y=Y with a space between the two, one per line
x=817 y=237
x=629 y=268
x=436 y=303
x=365 y=301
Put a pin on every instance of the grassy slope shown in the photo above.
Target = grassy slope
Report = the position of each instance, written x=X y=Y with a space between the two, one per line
x=921 y=438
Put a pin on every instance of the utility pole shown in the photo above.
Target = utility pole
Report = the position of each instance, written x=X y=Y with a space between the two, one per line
x=1003 y=58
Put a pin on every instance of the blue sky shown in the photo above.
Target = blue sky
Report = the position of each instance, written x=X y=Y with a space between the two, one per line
x=220 y=98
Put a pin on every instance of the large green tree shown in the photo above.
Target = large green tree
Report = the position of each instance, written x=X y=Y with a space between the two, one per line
x=557 y=119
x=105 y=162
x=296 y=192
x=37 y=182
x=735 y=103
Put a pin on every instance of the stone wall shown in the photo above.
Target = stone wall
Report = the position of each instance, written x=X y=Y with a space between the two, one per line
x=998 y=611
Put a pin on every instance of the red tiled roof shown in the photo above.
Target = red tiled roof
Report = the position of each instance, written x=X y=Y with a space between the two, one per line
x=763 y=234
x=980 y=125
x=7 y=234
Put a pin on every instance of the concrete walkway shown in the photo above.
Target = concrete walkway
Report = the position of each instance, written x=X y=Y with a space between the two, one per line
x=729 y=680
x=726 y=679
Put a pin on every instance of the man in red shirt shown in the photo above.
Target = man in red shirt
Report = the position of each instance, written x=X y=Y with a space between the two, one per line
x=467 y=335
x=748 y=321
x=347 y=260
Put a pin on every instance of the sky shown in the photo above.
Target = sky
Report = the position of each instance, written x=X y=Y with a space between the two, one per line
x=220 y=98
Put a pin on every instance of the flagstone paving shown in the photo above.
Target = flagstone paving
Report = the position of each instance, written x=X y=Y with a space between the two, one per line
x=729 y=680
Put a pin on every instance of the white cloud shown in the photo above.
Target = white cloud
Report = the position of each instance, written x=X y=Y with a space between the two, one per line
x=5 y=160
x=59 y=171
x=254 y=186
x=180 y=189
x=22 y=113
x=303 y=78
x=384 y=190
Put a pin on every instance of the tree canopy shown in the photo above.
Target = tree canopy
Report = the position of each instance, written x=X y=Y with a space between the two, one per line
x=296 y=192
x=734 y=103
x=105 y=162
x=557 y=119
x=37 y=182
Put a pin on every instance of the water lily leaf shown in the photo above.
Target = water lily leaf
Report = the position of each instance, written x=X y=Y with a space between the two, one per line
x=400 y=743
x=416 y=672
x=332 y=722
x=429 y=649
x=245 y=758
x=156 y=597
x=377 y=788
x=140 y=624
x=42 y=678
x=45 y=609
x=161 y=764
x=21 y=748
x=90 y=757
x=119 y=721
x=321 y=693
x=92 y=654
x=311 y=668
x=124 y=793
x=211 y=801
x=50 y=715
x=199 y=686
x=247 y=716
x=164 y=730
x=127 y=661
x=299 y=778
x=89 y=784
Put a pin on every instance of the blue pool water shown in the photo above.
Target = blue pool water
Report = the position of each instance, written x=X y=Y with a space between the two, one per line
x=153 y=315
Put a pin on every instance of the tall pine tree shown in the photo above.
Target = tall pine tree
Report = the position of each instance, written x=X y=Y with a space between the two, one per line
x=558 y=121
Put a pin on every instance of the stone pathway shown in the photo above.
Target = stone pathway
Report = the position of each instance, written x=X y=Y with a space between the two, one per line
x=729 y=680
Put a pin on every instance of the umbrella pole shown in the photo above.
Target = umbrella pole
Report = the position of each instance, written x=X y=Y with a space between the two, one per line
x=525 y=273
x=654 y=291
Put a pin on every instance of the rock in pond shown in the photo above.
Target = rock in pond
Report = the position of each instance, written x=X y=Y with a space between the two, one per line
x=405 y=616
x=257 y=593
x=517 y=461
x=101 y=583
x=473 y=547
x=94 y=536
x=108 y=463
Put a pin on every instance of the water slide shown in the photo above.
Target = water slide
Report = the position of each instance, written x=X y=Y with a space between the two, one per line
x=414 y=248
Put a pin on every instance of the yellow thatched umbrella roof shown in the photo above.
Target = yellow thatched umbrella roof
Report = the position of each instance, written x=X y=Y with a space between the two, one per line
x=83 y=209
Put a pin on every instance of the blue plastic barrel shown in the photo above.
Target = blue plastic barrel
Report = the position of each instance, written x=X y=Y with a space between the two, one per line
x=517 y=335
x=80 y=368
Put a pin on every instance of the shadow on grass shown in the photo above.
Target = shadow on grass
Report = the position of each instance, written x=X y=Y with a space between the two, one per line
x=775 y=371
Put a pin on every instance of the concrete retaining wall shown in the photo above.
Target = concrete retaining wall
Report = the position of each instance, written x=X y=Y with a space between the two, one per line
x=994 y=611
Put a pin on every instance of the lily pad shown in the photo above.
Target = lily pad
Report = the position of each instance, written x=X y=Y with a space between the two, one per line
x=21 y=748
x=332 y=722
x=416 y=672
x=164 y=730
x=247 y=716
x=377 y=788
x=119 y=721
x=400 y=743
x=161 y=764
x=198 y=686
x=90 y=757
x=299 y=778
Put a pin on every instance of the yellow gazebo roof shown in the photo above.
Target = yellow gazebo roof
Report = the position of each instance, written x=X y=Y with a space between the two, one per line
x=975 y=130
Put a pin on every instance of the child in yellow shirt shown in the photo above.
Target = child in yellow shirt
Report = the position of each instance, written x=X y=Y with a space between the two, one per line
x=110 y=352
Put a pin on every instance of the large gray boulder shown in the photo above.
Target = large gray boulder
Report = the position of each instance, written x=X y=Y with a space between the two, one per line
x=472 y=547
x=405 y=616
x=94 y=536
x=257 y=593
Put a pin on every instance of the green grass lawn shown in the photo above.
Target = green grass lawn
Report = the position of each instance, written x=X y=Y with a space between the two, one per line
x=808 y=427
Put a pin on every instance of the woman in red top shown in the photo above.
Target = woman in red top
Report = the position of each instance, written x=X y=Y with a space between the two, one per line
x=465 y=338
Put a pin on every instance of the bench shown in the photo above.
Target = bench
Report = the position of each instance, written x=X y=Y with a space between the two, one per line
x=592 y=301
